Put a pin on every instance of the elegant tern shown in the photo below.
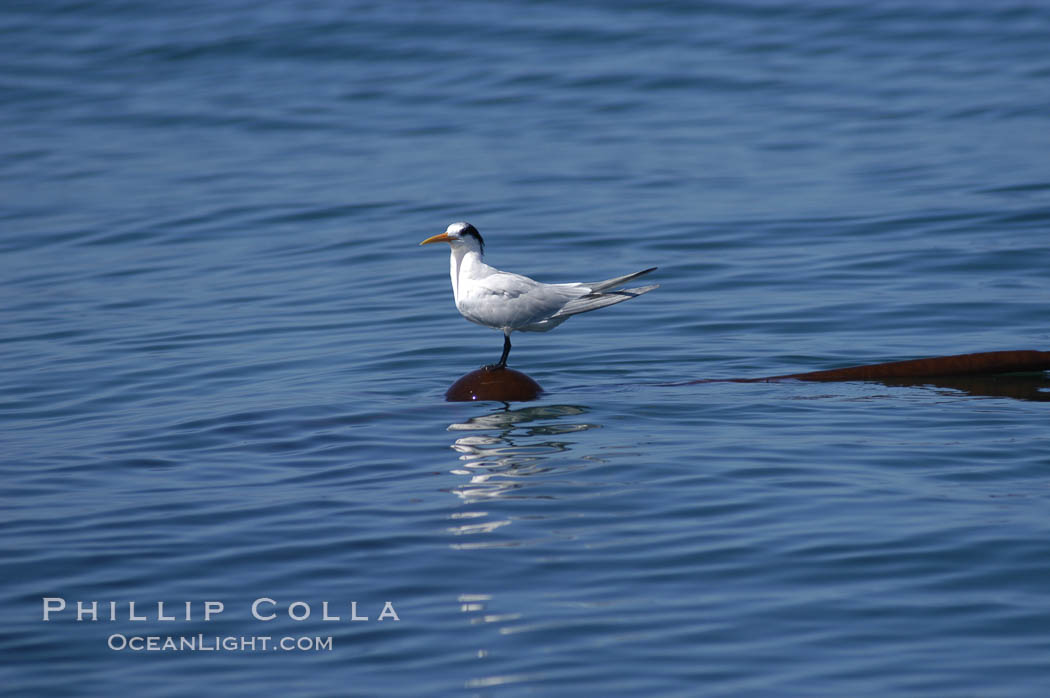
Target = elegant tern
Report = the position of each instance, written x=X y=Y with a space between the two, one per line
x=508 y=302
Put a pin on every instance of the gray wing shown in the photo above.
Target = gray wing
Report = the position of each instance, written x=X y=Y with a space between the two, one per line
x=511 y=300
x=593 y=301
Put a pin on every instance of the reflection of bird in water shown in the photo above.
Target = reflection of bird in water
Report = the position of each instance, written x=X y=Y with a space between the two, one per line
x=499 y=463
x=508 y=419
x=508 y=302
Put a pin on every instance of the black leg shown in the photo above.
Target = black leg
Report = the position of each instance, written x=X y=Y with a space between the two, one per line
x=503 y=358
x=506 y=351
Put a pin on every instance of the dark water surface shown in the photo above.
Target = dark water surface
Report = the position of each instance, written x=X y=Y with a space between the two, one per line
x=223 y=356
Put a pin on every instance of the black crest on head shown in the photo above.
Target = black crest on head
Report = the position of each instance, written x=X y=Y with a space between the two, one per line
x=472 y=231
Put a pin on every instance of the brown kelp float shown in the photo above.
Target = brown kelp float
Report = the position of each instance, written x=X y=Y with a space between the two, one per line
x=498 y=384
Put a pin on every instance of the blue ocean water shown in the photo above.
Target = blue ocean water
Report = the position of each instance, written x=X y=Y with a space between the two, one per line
x=224 y=356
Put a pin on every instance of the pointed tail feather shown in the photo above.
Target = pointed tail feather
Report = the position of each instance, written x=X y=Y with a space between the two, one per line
x=596 y=286
x=593 y=301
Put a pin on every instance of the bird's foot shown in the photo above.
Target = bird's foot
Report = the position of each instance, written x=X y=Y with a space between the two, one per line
x=493 y=367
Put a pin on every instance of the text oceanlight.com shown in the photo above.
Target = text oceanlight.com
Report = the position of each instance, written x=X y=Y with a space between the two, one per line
x=217 y=643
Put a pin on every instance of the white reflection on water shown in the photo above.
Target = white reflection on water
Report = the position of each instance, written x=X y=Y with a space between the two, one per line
x=512 y=458
x=518 y=448
x=508 y=453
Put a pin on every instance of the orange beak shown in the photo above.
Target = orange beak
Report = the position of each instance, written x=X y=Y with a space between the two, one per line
x=441 y=237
